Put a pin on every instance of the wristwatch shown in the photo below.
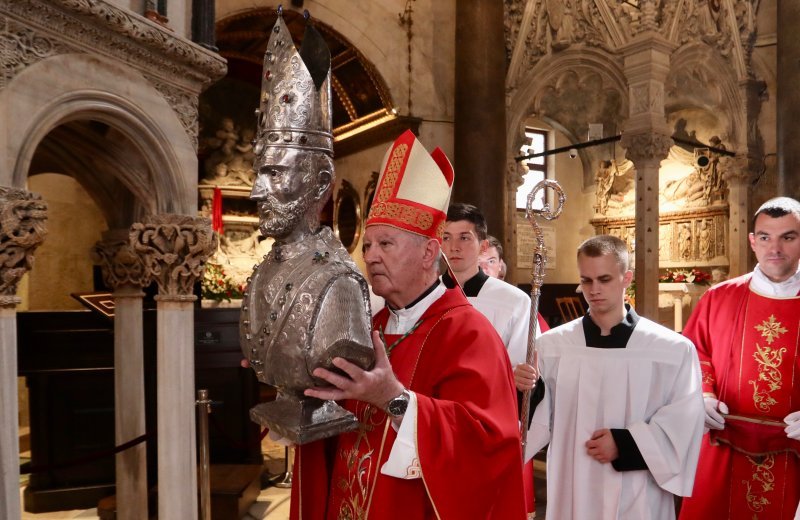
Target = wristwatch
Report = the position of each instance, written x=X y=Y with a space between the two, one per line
x=397 y=406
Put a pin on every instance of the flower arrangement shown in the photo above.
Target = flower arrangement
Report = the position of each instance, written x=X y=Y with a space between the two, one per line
x=694 y=275
x=630 y=294
x=218 y=286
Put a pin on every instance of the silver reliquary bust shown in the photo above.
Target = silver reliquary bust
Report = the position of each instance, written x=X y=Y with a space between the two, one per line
x=306 y=302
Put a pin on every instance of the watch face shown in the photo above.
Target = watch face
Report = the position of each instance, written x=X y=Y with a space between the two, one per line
x=398 y=405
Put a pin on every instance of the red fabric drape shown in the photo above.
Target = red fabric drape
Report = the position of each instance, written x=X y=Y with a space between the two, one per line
x=216 y=211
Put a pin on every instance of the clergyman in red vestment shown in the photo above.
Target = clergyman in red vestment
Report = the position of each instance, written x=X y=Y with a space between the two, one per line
x=747 y=333
x=439 y=435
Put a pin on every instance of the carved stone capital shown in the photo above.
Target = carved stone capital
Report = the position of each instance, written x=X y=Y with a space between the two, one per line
x=120 y=264
x=646 y=147
x=22 y=230
x=174 y=249
x=738 y=170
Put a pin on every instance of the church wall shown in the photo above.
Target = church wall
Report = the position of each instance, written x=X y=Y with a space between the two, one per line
x=62 y=263
x=374 y=29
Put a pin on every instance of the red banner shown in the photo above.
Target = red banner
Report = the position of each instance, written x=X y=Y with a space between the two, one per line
x=216 y=211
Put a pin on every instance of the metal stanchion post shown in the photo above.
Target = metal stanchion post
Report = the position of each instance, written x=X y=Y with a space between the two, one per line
x=204 y=480
x=286 y=479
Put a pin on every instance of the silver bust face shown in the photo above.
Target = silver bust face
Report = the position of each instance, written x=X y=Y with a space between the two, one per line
x=291 y=186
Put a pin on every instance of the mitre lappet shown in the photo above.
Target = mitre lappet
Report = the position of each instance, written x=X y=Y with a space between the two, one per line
x=306 y=302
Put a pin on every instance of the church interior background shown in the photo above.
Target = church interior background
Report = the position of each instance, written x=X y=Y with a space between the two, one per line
x=670 y=122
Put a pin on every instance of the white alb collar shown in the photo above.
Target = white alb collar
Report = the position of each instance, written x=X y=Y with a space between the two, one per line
x=787 y=288
x=401 y=320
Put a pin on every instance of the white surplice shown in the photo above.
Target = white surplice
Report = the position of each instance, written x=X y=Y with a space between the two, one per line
x=651 y=388
x=509 y=310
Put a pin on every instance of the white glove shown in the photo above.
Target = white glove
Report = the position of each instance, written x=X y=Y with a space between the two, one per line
x=793 y=430
x=714 y=411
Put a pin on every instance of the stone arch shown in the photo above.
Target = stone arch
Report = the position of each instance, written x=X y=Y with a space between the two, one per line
x=711 y=88
x=595 y=68
x=358 y=31
x=98 y=90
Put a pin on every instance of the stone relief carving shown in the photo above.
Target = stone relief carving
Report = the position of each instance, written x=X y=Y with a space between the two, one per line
x=120 y=264
x=609 y=24
x=177 y=68
x=174 y=249
x=24 y=47
x=231 y=156
x=22 y=230
x=240 y=246
x=686 y=239
x=184 y=103
x=579 y=97
x=614 y=187
x=512 y=18
x=700 y=187
x=646 y=146
x=198 y=62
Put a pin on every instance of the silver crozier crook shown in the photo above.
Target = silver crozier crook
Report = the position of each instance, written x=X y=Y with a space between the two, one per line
x=537 y=274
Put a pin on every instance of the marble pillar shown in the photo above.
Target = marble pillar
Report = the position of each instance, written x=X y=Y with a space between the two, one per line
x=174 y=249
x=646 y=138
x=22 y=230
x=788 y=133
x=480 y=126
x=124 y=272
x=737 y=173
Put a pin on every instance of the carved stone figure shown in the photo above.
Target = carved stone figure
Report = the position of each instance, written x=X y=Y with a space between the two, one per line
x=685 y=241
x=307 y=302
x=704 y=241
x=603 y=179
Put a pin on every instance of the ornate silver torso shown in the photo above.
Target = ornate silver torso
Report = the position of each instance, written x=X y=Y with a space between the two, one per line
x=306 y=303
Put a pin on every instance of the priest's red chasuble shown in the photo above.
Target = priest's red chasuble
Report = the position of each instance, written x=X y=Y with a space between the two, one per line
x=469 y=459
x=749 y=350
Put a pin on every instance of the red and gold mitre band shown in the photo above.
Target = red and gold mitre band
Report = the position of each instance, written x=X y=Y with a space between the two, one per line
x=413 y=190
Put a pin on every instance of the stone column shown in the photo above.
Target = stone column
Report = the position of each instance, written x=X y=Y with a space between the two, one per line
x=788 y=133
x=646 y=150
x=203 y=30
x=124 y=272
x=174 y=249
x=646 y=139
x=480 y=125
x=22 y=230
x=737 y=173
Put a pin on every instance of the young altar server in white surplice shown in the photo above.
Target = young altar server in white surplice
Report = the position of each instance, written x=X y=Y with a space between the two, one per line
x=623 y=409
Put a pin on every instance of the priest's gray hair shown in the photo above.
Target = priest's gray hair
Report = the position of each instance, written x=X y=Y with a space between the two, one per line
x=606 y=245
x=778 y=207
x=421 y=240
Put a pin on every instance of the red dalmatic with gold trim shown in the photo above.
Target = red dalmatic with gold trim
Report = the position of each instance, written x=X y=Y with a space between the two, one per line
x=749 y=351
x=466 y=432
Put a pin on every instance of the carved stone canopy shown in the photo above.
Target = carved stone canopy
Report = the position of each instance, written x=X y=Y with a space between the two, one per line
x=22 y=230
x=174 y=249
